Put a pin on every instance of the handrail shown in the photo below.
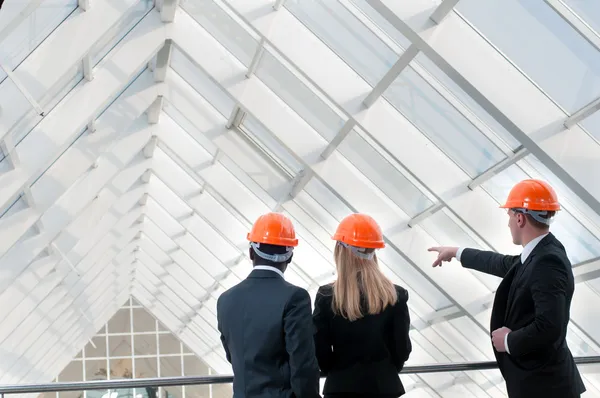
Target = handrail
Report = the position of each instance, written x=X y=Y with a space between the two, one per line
x=202 y=380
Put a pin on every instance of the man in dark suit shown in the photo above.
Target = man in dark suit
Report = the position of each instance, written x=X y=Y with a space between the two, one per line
x=266 y=322
x=532 y=304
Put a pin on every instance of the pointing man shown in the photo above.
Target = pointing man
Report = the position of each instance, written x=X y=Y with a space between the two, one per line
x=532 y=303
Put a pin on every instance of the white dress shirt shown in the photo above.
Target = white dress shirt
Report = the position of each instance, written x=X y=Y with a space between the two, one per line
x=269 y=268
x=527 y=249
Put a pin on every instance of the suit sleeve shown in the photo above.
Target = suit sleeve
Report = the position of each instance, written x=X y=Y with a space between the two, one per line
x=488 y=262
x=304 y=370
x=227 y=354
x=549 y=284
x=322 y=332
x=403 y=345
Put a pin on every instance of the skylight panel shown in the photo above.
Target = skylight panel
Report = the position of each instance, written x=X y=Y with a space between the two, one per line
x=542 y=44
x=301 y=98
x=347 y=36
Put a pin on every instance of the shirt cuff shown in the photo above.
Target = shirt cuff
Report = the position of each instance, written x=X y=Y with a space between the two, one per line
x=459 y=253
x=506 y=343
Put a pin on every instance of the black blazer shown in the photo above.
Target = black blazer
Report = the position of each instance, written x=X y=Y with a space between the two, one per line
x=266 y=330
x=366 y=355
x=533 y=300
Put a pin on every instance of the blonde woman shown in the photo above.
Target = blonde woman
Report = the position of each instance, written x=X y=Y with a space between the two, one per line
x=361 y=320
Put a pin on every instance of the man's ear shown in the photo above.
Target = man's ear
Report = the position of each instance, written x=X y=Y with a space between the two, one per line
x=251 y=254
x=290 y=259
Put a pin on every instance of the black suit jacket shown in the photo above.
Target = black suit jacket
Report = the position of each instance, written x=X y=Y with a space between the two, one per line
x=366 y=355
x=266 y=330
x=533 y=300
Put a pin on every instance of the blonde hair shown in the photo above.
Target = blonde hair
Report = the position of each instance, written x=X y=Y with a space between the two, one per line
x=360 y=279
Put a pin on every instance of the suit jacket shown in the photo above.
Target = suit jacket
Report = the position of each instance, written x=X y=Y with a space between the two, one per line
x=533 y=300
x=266 y=330
x=366 y=355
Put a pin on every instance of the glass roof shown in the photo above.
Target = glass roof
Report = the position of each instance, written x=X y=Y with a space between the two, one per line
x=139 y=140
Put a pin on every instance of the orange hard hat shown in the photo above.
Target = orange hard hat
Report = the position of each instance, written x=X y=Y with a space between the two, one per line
x=273 y=229
x=534 y=195
x=359 y=230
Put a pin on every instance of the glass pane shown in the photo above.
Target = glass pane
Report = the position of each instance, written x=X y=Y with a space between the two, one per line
x=13 y=106
x=73 y=372
x=588 y=10
x=145 y=344
x=565 y=194
x=580 y=244
x=382 y=23
x=433 y=74
x=5 y=167
x=170 y=367
x=200 y=392
x=298 y=96
x=442 y=123
x=14 y=206
x=168 y=344
x=347 y=36
x=57 y=92
x=32 y=30
x=540 y=42
x=223 y=390
x=120 y=322
x=96 y=369
x=119 y=346
x=223 y=27
x=171 y=392
x=70 y=394
x=193 y=366
x=443 y=228
x=265 y=140
x=146 y=367
x=26 y=121
x=592 y=125
x=201 y=83
x=119 y=31
x=121 y=368
x=143 y=321
x=96 y=348
x=383 y=174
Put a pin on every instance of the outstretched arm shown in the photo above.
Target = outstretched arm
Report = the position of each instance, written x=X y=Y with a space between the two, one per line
x=304 y=370
x=549 y=285
x=483 y=261
x=487 y=261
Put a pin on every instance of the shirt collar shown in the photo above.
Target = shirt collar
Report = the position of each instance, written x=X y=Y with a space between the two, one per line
x=269 y=268
x=530 y=246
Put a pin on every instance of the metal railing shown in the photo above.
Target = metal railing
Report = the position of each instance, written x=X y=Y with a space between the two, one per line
x=203 y=380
